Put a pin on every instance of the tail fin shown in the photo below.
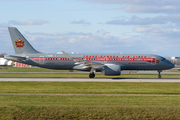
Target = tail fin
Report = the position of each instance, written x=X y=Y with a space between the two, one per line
x=20 y=44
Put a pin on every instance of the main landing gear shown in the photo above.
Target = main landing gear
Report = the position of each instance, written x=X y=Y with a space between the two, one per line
x=91 y=75
x=159 y=76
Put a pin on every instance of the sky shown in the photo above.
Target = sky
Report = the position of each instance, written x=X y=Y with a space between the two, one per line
x=94 y=26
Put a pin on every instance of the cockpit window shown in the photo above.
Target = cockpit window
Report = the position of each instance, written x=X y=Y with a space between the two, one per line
x=163 y=59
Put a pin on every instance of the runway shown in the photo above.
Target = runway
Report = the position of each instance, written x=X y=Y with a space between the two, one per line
x=167 y=80
x=123 y=72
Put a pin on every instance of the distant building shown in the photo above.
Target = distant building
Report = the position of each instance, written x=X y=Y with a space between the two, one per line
x=175 y=60
x=16 y=64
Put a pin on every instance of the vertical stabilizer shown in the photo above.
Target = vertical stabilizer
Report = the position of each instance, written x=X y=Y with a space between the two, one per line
x=20 y=44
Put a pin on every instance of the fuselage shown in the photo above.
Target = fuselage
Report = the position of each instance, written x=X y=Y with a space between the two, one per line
x=126 y=61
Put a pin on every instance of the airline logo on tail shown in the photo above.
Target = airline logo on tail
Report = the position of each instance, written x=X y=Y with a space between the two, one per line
x=19 y=43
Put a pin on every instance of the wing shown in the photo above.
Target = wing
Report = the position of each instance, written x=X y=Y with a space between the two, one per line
x=84 y=63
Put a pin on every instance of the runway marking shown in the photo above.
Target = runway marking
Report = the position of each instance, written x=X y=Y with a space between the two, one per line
x=28 y=94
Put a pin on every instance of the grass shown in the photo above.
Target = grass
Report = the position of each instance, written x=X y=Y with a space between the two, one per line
x=173 y=70
x=85 y=75
x=89 y=101
x=6 y=72
x=91 y=105
x=90 y=88
x=98 y=102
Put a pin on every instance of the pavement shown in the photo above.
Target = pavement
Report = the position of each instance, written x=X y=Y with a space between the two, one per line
x=123 y=72
x=165 y=80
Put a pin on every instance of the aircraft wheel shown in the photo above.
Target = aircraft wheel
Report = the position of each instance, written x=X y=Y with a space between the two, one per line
x=91 y=75
x=159 y=76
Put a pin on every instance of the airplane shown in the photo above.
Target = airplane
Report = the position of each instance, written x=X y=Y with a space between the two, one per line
x=109 y=64
x=4 y=62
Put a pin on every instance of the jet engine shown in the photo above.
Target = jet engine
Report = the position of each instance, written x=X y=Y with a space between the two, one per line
x=111 y=69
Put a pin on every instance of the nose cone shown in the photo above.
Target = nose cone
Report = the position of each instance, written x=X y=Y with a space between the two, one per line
x=170 y=65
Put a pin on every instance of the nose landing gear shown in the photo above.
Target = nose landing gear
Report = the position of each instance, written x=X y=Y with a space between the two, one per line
x=159 y=76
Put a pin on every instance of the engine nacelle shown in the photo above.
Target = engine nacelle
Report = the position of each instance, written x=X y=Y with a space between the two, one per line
x=111 y=69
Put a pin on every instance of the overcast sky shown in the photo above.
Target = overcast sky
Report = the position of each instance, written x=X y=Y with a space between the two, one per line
x=94 y=26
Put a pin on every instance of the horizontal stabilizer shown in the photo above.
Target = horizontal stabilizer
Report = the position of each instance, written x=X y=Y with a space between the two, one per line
x=16 y=57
